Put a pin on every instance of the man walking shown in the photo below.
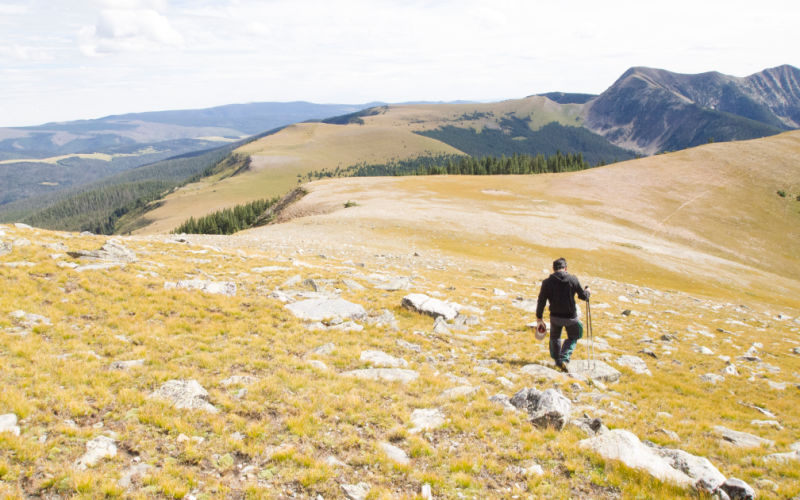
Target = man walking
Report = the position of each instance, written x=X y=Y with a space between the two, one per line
x=560 y=289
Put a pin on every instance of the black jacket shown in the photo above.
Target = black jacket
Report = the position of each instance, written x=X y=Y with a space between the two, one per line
x=560 y=289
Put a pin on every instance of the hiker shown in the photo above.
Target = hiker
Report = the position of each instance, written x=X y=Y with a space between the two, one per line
x=560 y=289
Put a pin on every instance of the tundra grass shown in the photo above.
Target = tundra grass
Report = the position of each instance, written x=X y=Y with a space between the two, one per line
x=272 y=438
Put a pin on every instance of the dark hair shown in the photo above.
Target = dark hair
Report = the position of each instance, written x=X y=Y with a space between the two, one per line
x=559 y=264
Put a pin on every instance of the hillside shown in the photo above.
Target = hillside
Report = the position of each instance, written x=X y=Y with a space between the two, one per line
x=290 y=361
x=651 y=110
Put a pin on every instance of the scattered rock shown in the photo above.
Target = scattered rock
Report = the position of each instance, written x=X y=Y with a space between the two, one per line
x=796 y=350
x=112 y=250
x=792 y=456
x=503 y=401
x=394 y=453
x=323 y=350
x=703 y=350
x=5 y=248
x=352 y=284
x=738 y=489
x=426 y=419
x=356 y=491
x=238 y=380
x=552 y=409
x=325 y=309
x=96 y=449
x=670 y=434
x=457 y=392
x=28 y=320
x=380 y=358
x=636 y=364
x=319 y=365
x=730 y=370
x=133 y=475
x=8 y=423
x=424 y=304
x=215 y=287
x=767 y=423
x=741 y=439
x=185 y=394
x=385 y=374
x=591 y=426
x=622 y=445
x=541 y=372
x=440 y=326
x=594 y=370
x=706 y=477
x=712 y=378
x=125 y=365
x=334 y=462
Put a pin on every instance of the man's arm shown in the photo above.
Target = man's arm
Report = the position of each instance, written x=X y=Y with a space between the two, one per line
x=583 y=293
x=542 y=300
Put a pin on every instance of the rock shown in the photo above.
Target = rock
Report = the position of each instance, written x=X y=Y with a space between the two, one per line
x=112 y=250
x=125 y=365
x=777 y=386
x=525 y=399
x=5 y=248
x=525 y=305
x=796 y=350
x=380 y=358
x=20 y=225
x=591 y=426
x=238 y=380
x=132 y=475
x=319 y=365
x=730 y=370
x=738 y=489
x=767 y=423
x=385 y=374
x=426 y=419
x=184 y=394
x=503 y=401
x=394 y=284
x=29 y=320
x=326 y=309
x=751 y=354
x=457 y=392
x=323 y=350
x=394 y=453
x=440 y=326
x=792 y=456
x=100 y=266
x=636 y=364
x=703 y=350
x=712 y=378
x=352 y=284
x=356 y=491
x=594 y=370
x=706 y=477
x=741 y=439
x=423 y=304
x=408 y=345
x=8 y=423
x=96 y=449
x=670 y=434
x=622 y=445
x=538 y=371
x=795 y=446
x=426 y=492
x=215 y=287
x=334 y=462
x=552 y=409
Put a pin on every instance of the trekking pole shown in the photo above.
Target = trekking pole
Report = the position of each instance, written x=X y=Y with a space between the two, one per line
x=590 y=334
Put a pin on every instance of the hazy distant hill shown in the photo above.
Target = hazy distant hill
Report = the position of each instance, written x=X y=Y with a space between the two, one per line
x=651 y=110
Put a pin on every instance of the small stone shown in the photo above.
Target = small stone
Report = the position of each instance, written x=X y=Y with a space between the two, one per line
x=426 y=419
x=96 y=449
x=133 y=475
x=356 y=491
x=636 y=364
x=187 y=394
x=381 y=359
x=385 y=374
x=8 y=423
x=741 y=439
x=394 y=453
x=767 y=423
x=738 y=489
x=730 y=370
x=126 y=365
x=712 y=378
x=457 y=392
x=503 y=401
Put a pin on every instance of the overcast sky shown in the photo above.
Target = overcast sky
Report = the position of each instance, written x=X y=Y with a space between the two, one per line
x=74 y=59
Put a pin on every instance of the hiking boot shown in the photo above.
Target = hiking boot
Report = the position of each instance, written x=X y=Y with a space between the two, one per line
x=563 y=366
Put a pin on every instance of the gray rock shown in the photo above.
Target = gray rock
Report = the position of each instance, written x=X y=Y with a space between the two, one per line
x=795 y=350
x=384 y=374
x=394 y=453
x=622 y=445
x=394 y=284
x=440 y=326
x=380 y=358
x=319 y=365
x=356 y=491
x=126 y=365
x=738 y=489
x=352 y=284
x=8 y=423
x=184 y=394
x=594 y=370
x=712 y=378
x=323 y=350
x=503 y=401
x=112 y=250
x=132 y=475
x=730 y=370
x=741 y=439
x=767 y=423
x=706 y=477
x=591 y=426
x=635 y=363
x=238 y=380
x=28 y=320
x=426 y=419
x=795 y=446
x=538 y=371
x=525 y=399
x=457 y=392
x=552 y=409
x=97 y=449
x=100 y=266
x=525 y=305
x=703 y=350
x=792 y=456
x=423 y=304
x=326 y=309
x=670 y=434
x=5 y=248
x=215 y=287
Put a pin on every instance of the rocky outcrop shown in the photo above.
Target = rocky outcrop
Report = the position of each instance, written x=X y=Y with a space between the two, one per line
x=548 y=408
x=97 y=449
x=112 y=251
x=184 y=394
x=383 y=374
x=326 y=309
x=424 y=304
x=214 y=287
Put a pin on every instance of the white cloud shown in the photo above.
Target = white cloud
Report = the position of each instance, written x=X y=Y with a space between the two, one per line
x=25 y=53
x=130 y=26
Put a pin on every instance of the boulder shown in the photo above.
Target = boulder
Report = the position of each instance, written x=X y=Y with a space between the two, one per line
x=425 y=419
x=96 y=450
x=384 y=374
x=5 y=248
x=525 y=399
x=738 y=489
x=8 y=423
x=28 y=320
x=730 y=370
x=706 y=477
x=326 y=309
x=712 y=378
x=457 y=392
x=112 y=250
x=356 y=491
x=635 y=363
x=503 y=401
x=538 y=371
x=126 y=365
x=591 y=426
x=552 y=409
x=184 y=394
x=594 y=370
x=622 y=445
x=792 y=456
x=238 y=380
x=380 y=358
x=423 y=304
x=394 y=453
x=741 y=439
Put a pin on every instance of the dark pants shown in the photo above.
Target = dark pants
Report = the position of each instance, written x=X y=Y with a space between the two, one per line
x=562 y=352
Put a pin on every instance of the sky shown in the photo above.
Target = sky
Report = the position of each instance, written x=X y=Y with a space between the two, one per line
x=79 y=59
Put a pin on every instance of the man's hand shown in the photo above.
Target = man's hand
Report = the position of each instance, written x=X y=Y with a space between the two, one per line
x=586 y=290
x=540 y=323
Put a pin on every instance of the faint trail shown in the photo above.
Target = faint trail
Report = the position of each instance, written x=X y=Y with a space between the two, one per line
x=661 y=223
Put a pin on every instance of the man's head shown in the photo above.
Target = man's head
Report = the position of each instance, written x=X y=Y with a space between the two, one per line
x=559 y=264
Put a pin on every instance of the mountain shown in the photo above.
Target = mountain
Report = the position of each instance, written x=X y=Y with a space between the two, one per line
x=48 y=158
x=651 y=110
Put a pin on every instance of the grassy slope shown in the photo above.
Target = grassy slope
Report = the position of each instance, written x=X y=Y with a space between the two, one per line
x=278 y=159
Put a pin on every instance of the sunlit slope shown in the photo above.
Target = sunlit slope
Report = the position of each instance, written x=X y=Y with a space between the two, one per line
x=707 y=219
x=277 y=160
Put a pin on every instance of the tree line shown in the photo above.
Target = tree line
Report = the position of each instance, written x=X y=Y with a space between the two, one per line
x=227 y=220
x=516 y=164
